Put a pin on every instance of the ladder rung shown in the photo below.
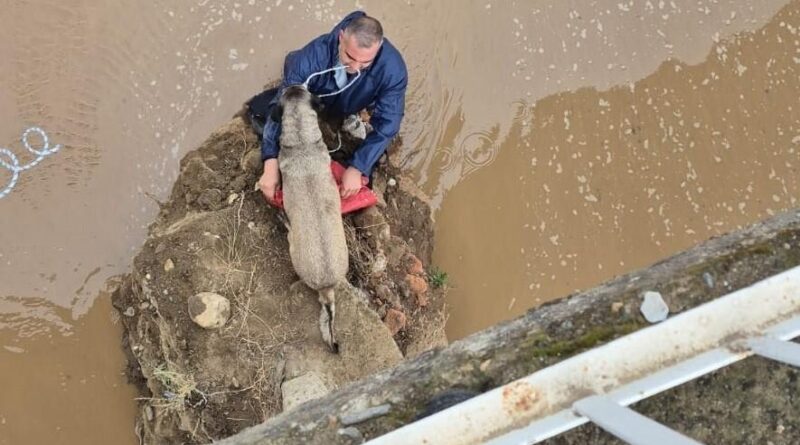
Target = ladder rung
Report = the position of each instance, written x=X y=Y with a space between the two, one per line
x=771 y=348
x=627 y=424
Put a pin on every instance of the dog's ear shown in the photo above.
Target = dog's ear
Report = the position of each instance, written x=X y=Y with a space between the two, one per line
x=316 y=103
x=277 y=113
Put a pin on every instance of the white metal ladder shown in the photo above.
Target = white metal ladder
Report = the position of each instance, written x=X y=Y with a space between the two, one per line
x=757 y=320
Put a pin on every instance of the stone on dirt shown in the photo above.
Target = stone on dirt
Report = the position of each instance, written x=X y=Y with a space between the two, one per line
x=419 y=288
x=395 y=321
x=415 y=265
x=308 y=386
x=209 y=310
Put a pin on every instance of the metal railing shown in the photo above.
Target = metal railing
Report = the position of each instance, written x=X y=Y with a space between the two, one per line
x=597 y=385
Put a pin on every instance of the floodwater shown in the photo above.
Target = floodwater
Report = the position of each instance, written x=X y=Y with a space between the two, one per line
x=562 y=143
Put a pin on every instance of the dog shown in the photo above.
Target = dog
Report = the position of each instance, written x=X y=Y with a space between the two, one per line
x=317 y=244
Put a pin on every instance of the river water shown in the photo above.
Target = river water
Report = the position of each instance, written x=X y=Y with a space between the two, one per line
x=562 y=143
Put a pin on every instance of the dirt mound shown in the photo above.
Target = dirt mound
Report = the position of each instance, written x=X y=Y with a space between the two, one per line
x=216 y=234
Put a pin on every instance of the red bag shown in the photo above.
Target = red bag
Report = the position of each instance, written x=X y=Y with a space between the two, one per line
x=361 y=200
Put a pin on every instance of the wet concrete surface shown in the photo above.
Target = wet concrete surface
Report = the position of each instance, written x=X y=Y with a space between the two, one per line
x=562 y=142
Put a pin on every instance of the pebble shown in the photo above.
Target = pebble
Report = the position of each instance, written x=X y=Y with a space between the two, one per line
x=209 y=310
x=395 y=321
x=169 y=265
x=351 y=432
x=708 y=279
x=379 y=264
x=232 y=198
x=130 y=311
x=654 y=308
x=391 y=182
x=148 y=413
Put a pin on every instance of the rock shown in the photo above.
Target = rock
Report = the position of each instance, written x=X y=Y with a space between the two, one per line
x=391 y=182
x=351 y=433
x=395 y=321
x=232 y=198
x=130 y=311
x=148 y=413
x=168 y=265
x=616 y=306
x=144 y=305
x=708 y=279
x=381 y=311
x=251 y=162
x=379 y=264
x=209 y=310
x=367 y=414
x=210 y=199
x=374 y=221
x=419 y=288
x=654 y=308
x=384 y=293
x=415 y=265
x=308 y=386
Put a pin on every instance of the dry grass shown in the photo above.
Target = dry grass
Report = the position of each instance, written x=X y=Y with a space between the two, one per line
x=362 y=257
x=260 y=345
x=180 y=389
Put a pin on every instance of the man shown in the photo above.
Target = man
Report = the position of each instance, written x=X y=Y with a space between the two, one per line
x=374 y=75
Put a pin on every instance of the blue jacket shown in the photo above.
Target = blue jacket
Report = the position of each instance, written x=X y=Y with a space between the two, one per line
x=381 y=85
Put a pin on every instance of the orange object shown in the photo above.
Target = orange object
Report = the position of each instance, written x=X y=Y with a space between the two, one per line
x=361 y=200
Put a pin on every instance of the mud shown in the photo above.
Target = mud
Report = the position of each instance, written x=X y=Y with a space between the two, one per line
x=220 y=235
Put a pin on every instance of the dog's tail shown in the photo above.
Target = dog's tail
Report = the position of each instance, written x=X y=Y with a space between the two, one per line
x=327 y=316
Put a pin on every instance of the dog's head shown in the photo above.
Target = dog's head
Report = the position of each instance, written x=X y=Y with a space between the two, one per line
x=295 y=95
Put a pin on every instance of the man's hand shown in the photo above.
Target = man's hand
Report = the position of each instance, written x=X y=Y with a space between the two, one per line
x=270 y=180
x=351 y=182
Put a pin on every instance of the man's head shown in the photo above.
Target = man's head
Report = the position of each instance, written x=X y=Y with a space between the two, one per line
x=359 y=43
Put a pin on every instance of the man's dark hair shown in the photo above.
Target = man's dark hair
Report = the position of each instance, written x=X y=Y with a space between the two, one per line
x=367 y=30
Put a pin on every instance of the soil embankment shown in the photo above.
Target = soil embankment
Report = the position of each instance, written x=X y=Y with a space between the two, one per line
x=216 y=234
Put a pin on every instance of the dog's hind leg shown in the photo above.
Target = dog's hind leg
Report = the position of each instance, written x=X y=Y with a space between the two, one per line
x=327 y=316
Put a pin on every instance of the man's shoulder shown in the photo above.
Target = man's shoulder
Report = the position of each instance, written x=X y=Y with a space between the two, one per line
x=392 y=61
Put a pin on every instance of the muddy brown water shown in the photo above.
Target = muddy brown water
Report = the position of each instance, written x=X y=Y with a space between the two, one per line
x=562 y=143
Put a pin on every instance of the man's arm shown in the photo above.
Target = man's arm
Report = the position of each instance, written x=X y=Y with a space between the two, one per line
x=385 y=121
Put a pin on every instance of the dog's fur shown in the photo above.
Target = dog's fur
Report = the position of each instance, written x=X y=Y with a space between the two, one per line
x=317 y=244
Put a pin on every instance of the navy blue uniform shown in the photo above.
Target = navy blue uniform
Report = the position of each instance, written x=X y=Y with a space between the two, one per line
x=382 y=85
